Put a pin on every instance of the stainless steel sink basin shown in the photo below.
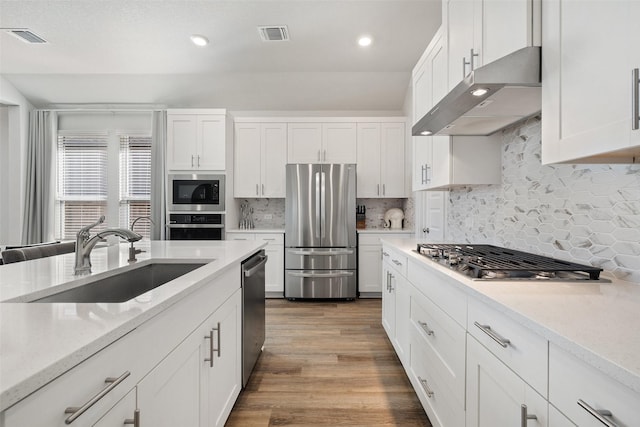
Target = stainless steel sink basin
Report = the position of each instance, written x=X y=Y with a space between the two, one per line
x=124 y=286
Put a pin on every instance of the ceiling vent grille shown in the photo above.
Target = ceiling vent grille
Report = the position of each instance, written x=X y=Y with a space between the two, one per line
x=275 y=33
x=26 y=35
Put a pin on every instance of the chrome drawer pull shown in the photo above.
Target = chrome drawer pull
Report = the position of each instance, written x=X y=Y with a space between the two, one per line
x=396 y=262
x=135 y=421
x=497 y=338
x=426 y=388
x=211 y=350
x=385 y=253
x=77 y=411
x=524 y=416
x=425 y=328
x=598 y=414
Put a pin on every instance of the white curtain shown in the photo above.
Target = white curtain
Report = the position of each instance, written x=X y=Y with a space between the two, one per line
x=158 y=180
x=40 y=182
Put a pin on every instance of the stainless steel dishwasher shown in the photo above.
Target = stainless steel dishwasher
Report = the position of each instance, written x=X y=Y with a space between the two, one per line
x=253 y=313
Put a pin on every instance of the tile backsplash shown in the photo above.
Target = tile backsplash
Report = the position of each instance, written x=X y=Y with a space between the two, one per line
x=583 y=213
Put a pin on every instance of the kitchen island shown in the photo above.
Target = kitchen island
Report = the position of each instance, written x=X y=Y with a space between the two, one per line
x=43 y=343
x=555 y=347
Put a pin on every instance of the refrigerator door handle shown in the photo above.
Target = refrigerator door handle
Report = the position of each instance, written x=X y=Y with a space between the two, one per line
x=321 y=252
x=323 y=209
x=318 y=275
x=317 y=179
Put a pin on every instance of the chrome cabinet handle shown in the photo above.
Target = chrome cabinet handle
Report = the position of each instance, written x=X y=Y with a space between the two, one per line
x=198 y=160
x=426 y=388
x=257 y=194
x=263 y=189
x=598 y=414
x=217 y=350
x=497 y=338
x=384 y=253
x=378 y=189
x=319 y=158
x=635 y=99
x=396 y=262
x=524 y=416
x=192 y=160
x=425 y=327
x=76 y=411
x=325 y=155
x=464 y=66
x=384 y=191
x=426 y=173
x=391 y=277
x=472 y=55
x=211 y=350
x=135 y=420
x=422 y=174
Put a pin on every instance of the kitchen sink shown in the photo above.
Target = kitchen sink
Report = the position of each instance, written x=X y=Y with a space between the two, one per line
x=124 y=286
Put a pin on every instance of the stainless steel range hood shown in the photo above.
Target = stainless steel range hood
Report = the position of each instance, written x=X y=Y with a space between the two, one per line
x=513 y=94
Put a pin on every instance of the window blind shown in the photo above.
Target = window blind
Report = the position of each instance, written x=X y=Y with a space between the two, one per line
x=135 y=181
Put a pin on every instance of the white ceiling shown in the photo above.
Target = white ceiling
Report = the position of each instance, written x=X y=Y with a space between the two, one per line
x=139 y=52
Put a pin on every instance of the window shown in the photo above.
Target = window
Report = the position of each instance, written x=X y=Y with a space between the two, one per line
x=86 y=168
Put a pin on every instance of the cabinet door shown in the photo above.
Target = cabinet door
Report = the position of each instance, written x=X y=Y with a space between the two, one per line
x=587 y=95
x=439 y=170
x=211 y=142
x=223 y=381
x=495 y=394
x=170 y=395
x=123 y=410
x=273 y=153
x=274 y=270
x=403 y=319
x=422 y=157
x=304 y=142
x=369 y=265
x=339 y=143
x=247 y=160
x=460 y=21
x=388 y=301
x=182 y=141
x=369 y=149
x=392 y=176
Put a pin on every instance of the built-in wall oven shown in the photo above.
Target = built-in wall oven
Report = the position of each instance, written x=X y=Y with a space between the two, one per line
x=201 y=226
x=196 y=193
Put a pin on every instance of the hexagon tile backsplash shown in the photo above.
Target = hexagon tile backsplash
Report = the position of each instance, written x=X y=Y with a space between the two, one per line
x=583 y=213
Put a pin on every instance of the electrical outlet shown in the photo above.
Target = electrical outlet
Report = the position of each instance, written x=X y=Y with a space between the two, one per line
x=268 y=216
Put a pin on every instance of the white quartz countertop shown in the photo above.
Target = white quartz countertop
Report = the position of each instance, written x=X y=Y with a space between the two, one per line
x=383 y=230
x=595 y=321
x=40 y=341
x=255 y=230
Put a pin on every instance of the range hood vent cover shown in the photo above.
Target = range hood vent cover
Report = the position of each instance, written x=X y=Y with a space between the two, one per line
x=274 y=33
x=513 y=93
x=26 y=35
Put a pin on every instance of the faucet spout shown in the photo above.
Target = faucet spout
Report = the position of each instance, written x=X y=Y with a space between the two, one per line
x=85 y=244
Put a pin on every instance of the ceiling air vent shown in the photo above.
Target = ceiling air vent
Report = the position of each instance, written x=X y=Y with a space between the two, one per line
x=26 y=35
x=276 y=33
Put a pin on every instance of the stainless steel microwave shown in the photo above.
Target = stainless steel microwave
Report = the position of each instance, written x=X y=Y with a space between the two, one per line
x=196 y=192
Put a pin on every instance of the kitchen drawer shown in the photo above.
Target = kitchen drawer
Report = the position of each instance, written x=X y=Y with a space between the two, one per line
x=441 y=337
x=572 y=380
x=321 y=259
x=442 y=406
x=271 y=238
x=521 y=349
x=46 y=407
x=396 y=259
x=440 y=289
x=239 y=236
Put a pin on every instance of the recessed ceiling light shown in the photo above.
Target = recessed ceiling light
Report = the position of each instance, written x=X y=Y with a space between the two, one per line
x=199 y=40
x=365 y=41
x=426 y=132
x=479 y=92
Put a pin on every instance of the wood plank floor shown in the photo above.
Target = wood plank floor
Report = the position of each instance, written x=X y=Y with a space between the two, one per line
x=327 y=363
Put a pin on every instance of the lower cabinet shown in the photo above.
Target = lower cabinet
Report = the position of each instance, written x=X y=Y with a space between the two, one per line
x=125 y=411
x=370 y=261
x=198 y=383
x=274 y=269
x=496 y=396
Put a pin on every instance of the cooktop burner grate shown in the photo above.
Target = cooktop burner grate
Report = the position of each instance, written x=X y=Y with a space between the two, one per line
x=488 y=258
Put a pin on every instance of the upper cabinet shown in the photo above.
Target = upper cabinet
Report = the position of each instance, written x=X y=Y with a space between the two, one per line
x=196 y=140
x=322 y=142
x=260 y=159
x=590 y=82
x=481 y=31
x=381 y=158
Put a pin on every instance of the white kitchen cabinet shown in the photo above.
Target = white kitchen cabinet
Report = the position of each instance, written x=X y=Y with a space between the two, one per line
x=388 y=301
x=481 y=31
x=575 y=387
x=260 y=157
x=588 y=85
x=196 y=140
x=274 y=269
x=124 y=410
x=370 y=262
x=381 y=160
x=321 y=142
x=396 y=302
x=496 y=395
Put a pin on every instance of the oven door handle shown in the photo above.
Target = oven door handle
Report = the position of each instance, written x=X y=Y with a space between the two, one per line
x=195 y=225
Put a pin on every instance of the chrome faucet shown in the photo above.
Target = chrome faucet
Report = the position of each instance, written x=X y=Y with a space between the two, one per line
x=132 y=250
x=85 y=243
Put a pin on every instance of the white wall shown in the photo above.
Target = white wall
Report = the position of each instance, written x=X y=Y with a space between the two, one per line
x=13 y=139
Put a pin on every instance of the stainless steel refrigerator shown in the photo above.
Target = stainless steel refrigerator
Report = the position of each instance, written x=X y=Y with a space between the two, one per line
x=320 y=231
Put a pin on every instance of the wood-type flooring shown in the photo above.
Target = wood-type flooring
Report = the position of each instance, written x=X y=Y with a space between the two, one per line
x=327 y=363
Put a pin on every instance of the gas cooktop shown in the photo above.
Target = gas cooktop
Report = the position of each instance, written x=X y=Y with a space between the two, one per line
x=488 y=262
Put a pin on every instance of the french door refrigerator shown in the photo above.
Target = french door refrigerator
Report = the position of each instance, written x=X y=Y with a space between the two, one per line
x=320 y=231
